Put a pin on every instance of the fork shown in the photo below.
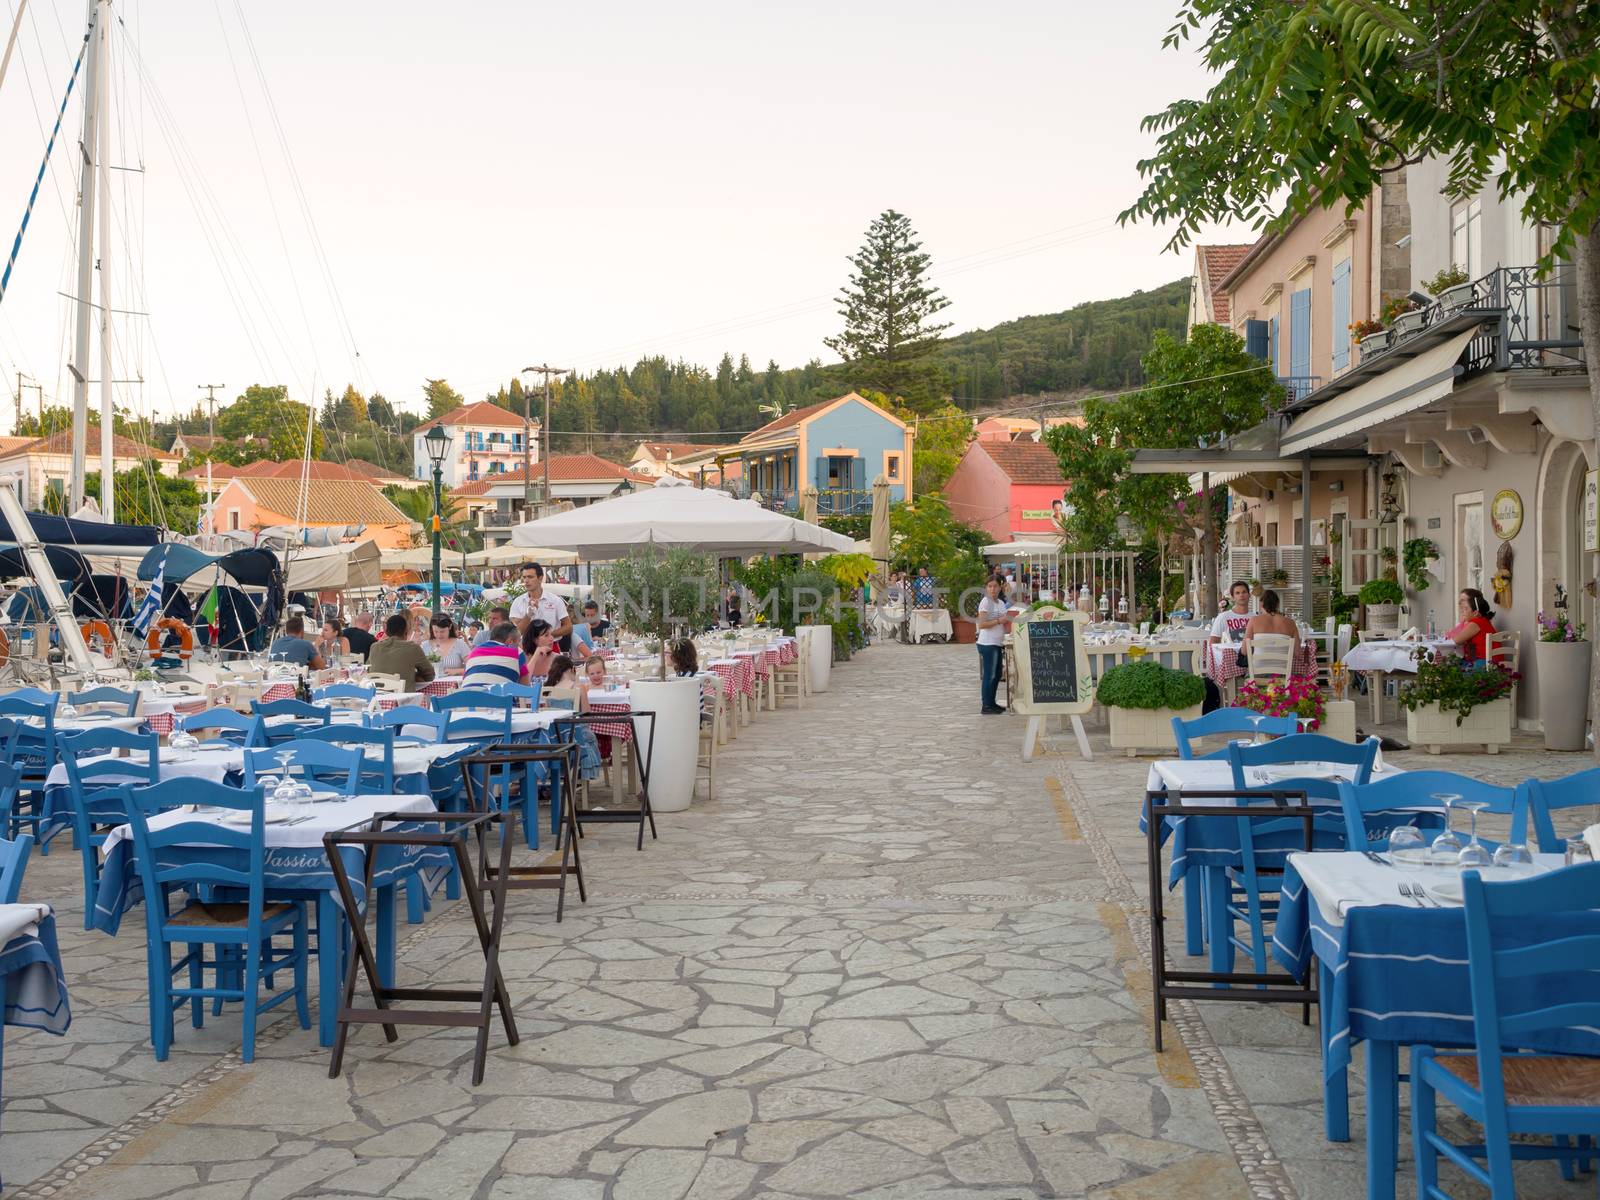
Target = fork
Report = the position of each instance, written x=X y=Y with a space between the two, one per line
x=1405 y=890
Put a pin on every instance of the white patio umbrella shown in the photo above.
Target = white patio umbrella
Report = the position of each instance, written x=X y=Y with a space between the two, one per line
x=676 y=513
x=879 y=529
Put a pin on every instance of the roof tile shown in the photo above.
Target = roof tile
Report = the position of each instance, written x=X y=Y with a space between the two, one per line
x=1025 y=461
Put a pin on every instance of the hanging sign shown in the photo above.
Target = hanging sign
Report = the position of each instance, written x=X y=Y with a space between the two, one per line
x=1505 y=514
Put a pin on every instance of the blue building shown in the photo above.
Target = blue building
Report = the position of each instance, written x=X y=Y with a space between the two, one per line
x=837 y=446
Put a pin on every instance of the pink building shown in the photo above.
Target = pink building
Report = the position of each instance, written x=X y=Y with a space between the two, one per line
x=1010 y=489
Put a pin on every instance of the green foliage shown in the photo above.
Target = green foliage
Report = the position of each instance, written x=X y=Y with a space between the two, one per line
x=1149 y=685
x=849 y=571
x=1198 y=391
x=788 y=591
x=145 y=497
x=454 y=523
x=857 y=526
x=267 y=412
x=926 y=535
x=1448 y=278
x=440 y=398
x=662 y=593
x=942 y=436
x=58 y=419
x=1417 y=553
x=847 y=634
x=1381 y=591
x=888 y=309
x=1312 y=102
x=961 y=578
x=1456 y=685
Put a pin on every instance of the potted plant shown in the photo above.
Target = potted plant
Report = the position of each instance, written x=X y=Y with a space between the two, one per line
x=1279 y=577
x=1382 y=599
x=1404 y=316
x=1419 y=552
x=961 y=578
x=1450 y=288
x=1141 y=699
x=1563 y=658
x=666 y=594
x=1255 y=587
x=1293 y=697
x=1456 y=703
x=1370 y=335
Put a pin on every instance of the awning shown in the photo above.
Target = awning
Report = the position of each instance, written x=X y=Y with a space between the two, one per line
x=331 y=568
x=1410 y=385
x=86 y=536
x=1021 y=550
x=249 y=568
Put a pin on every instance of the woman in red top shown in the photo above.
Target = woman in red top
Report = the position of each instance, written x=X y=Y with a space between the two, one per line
x=1477 y=623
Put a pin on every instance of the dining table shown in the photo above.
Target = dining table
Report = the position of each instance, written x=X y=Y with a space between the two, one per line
x=1392 y=972
x=297 y=868
x=1379 y=658
x=1203 y=848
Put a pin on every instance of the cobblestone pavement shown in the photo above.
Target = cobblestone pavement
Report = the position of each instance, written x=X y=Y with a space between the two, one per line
x=891 y=960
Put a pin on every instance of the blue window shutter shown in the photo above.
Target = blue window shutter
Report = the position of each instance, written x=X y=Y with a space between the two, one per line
x=821 y=480
x=858 y=474
x=1255 y=339
x=1300 y=334
x=1341 y=315
x=1272 y=344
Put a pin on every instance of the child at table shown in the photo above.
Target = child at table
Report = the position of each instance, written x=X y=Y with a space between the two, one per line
x=595 y=679
x=564 y=673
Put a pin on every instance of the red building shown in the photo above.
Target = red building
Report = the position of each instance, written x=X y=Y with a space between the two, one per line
x=1007 y=488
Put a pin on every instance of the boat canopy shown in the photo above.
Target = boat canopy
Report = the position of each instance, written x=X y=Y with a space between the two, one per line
x=249 y=568
x=69 y=565
x=85 y=536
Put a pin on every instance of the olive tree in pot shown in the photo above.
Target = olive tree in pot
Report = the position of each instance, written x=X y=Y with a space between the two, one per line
x=665 y=595
x=1141 y=699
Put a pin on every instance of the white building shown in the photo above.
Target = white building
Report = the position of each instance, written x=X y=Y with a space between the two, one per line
x=577 y=479
x=485 y=440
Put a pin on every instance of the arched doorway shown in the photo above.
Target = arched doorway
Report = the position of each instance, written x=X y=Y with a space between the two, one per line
x=1561 y=555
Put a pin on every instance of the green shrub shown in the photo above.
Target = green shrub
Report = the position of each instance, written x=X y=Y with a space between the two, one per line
x=1149 y=685
x=1381 y=591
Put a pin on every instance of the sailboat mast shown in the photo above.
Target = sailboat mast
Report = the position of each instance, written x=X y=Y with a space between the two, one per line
x=85 y=284
x=102 y=63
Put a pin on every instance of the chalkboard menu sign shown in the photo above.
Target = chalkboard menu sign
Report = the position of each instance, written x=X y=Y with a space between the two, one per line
x=1052 y=668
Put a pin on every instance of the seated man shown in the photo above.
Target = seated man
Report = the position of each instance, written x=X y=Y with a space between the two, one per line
x=294 y=647
x=499 y=660
x=396 y=654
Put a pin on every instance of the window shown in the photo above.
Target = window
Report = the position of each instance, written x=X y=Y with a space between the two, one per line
x=1466 y=237
x=1340 y=331
x=233 y=518
x=1300 y=334
x=472 y=470
x=496 y=468
x=891 y=467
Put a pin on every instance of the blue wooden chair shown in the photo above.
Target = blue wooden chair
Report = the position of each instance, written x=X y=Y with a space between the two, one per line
x=99 y=791
x=8 y=799
x=1303 y=748
x=377 y=770
x=197 y=854
x=13 y=863
x=1541 y=797
x=1227 y=720
x=34 y=695
x=413 y=721
x=1370 y=810
x=478 y=715
x=304 y=716
x=518 y=691
x=124 y=704
x=336 y=695
x=319 y=763
x=33 y=752
x=233 y=728
x=1532 y=949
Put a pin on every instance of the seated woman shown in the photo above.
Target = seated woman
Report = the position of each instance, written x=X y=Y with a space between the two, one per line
x=1477 y=623
x=1270 y=621
x=442 y=640
x=539 y=645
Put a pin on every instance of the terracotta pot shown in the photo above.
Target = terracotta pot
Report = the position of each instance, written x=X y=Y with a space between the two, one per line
x=963 y=632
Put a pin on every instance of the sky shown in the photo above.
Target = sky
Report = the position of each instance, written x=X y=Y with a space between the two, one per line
x=336 y=193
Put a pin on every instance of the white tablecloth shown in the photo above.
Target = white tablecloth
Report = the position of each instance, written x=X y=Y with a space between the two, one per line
x=17 y=919
x=1391 y=655
x=1215 y=774
x=323 y=817
x=928 y=622
x=91 y=722
x=215 y=762
x=1341 y=880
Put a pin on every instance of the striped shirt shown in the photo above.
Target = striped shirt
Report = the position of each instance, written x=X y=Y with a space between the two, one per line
x=493 y=663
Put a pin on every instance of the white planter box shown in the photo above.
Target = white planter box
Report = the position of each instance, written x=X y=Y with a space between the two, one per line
x=1135 y=729
x=1458 y=296
x=1487 y=725
x=675 y=750
x=1409 y=322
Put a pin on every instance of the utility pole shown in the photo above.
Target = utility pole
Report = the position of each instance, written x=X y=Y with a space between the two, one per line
x=544 y=433
x=17 y=428
x=211 y=433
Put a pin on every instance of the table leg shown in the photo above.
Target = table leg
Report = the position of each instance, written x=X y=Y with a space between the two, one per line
x=1221 y=926
x=1335 y=1090
x=330 y=943
x=1375 y=686
x=386 y=928
x=1383 y=1118
x=1194 y=922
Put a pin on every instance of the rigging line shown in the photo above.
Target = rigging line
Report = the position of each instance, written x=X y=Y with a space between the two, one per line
x=305 y=204
x=272 y=202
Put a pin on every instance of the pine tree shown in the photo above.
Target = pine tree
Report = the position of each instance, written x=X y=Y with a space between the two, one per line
x=888 y=309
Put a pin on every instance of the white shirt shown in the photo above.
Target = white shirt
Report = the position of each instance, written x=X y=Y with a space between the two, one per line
x=1229 y=626
x=995 y=635
x=549 y=607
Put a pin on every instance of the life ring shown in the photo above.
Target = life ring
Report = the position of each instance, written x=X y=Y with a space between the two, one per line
x=5 y=648
x=169 y=625
x=99 y=629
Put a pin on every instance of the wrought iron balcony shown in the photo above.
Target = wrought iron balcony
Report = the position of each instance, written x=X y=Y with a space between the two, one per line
x=1298 y=387
x=837 y=502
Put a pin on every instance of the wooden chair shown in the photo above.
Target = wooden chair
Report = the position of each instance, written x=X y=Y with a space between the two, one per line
x=98 y=788
x=1271 y=655
x=791 y=681
x=107 y=699
x=711 y=706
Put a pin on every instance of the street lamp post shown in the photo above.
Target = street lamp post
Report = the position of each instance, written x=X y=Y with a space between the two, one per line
x=438 y=443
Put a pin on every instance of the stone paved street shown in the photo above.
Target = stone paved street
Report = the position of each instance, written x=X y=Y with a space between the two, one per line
x=892 y=960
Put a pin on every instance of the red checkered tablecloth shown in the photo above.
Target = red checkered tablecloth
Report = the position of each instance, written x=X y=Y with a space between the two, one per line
x=278 y=691
x=163 y=723
x=739 y=673
x=1222 y=662
x=788 y=652
x=622 y=730
x=440 y=687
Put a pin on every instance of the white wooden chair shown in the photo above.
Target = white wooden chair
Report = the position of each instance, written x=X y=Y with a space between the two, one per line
x=791 y=681
x=711 y=706
x=1270 y=655
x=1505 y=647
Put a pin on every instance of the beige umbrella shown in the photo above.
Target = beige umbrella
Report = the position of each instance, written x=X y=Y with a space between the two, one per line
x=880 y=519
x=808 y=510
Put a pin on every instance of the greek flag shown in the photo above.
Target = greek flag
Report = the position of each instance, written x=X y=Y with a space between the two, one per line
x=150 y=607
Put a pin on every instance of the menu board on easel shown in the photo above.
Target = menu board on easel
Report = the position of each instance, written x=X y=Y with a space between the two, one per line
x=1051 y=673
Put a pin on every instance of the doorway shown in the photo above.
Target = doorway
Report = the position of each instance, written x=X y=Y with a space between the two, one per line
x=1469 y=548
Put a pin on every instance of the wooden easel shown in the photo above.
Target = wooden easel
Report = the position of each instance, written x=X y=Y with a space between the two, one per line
x=1021 y=683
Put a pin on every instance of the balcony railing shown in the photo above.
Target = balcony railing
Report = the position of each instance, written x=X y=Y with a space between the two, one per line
x=1298 y=387
x=838 y=502
x=494 y=518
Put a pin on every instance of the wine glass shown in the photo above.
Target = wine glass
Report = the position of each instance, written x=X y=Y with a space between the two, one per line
x=1474 y=855
x=1447 y=845
x=1514 y=856
x=1405 y=846
x=1578 y=851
